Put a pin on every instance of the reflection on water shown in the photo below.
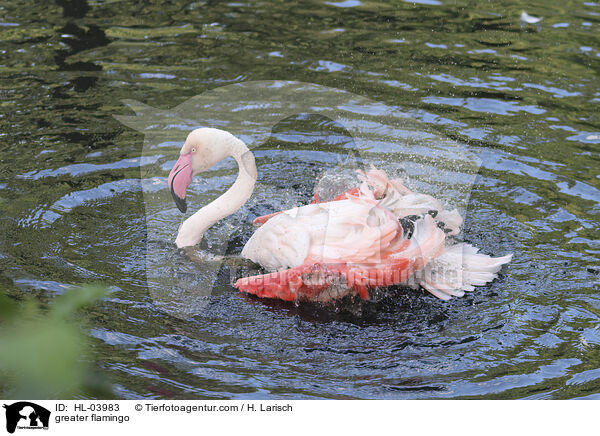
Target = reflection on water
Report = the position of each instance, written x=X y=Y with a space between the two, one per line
x=74 y=208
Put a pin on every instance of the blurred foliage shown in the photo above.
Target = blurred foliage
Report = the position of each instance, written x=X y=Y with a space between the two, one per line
x=44 y=353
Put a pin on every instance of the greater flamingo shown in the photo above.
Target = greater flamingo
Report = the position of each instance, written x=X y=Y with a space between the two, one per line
x=377 y=234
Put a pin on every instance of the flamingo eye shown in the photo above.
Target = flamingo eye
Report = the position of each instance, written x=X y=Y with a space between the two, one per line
x=194 y=150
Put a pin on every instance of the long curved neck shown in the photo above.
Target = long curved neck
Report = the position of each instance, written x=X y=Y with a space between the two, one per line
x=193 y=228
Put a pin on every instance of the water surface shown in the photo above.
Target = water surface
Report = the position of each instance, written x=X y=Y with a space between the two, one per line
x=523 y=100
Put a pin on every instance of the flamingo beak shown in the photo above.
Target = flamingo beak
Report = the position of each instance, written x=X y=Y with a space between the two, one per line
x=179 y=179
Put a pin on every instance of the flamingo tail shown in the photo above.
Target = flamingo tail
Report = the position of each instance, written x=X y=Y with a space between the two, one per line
x=458 y=270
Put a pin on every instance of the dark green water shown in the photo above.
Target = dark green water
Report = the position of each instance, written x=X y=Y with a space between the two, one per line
x=524 y=101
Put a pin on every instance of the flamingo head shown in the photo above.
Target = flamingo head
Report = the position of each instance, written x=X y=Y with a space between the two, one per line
x=202 y=149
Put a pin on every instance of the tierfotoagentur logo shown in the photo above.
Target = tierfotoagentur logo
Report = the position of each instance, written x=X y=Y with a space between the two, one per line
x=380 y=136
x=25 y=415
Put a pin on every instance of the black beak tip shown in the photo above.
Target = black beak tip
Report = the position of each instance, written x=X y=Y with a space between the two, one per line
x=181 y=204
